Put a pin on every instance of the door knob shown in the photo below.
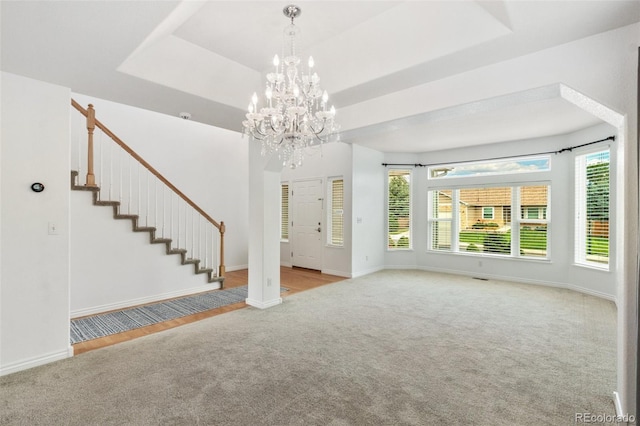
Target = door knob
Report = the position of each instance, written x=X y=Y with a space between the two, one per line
x=319 y=230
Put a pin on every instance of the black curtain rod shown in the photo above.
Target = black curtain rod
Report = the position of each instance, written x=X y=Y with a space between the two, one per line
x=571 y=148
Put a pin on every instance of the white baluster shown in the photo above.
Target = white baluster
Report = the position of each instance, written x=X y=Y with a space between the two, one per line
x=138 y=194
x=171 y=216
x=80 y=134
x=155 y=205
x=146 y=216
x=163 y=208
x=193 y=251
x=100 y=142
x=129 y=176
x=178 y=223
x=111 y=171
x=120 y=178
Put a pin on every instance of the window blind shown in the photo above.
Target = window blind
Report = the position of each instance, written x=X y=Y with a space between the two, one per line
x=592 y=193
x=284 y=211
x=440 y=219
x=533 y=222
x=399 y=209
x=336 y=231
x=483 y=219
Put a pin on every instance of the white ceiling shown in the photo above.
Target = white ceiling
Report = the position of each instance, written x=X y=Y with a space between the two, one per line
x=208 y=57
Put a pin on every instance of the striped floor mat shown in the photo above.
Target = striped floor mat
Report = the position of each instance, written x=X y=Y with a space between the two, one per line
x=101 y=325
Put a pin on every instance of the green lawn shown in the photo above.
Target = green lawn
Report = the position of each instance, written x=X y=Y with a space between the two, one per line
x=533 y=240
x=529 y=239
x=598 y=246
x=475 y=237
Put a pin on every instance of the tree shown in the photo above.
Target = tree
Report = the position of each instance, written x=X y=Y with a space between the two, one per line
x=398 y=201
x=598 y=192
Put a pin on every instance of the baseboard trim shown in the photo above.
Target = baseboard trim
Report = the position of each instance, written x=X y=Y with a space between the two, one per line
x=507 y=278
x=367 y=272
x=14 y=367
x=336 y=273
x=263 y=305
x=593 y=293
x=236 y=268
x=143 y=300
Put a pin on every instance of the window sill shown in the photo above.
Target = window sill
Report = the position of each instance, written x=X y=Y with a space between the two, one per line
x=602 y=268
x=492 y=256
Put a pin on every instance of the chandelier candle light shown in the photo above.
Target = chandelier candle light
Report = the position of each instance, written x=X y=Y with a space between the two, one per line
x=295 y=114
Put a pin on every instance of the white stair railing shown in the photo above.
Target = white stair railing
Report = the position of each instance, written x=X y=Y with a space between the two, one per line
x=123 y=176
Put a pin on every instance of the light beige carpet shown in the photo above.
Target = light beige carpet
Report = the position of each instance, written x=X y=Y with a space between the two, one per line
x=391 y=348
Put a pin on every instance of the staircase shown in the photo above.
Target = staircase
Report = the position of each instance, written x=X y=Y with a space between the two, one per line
x=148 y=200
x=210 y=272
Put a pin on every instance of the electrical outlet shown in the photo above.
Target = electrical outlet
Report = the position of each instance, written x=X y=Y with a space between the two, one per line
x=268 y=282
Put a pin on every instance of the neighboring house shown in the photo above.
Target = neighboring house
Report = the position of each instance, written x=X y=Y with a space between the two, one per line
x=480 y=206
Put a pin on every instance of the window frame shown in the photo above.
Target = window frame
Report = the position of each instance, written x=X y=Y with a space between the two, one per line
x=330 y=212
x=442 y=171
x=284 y=215
x=410 y=174
x=581 y=234
x=515 y=223
x=493 y=212
x=432 y=220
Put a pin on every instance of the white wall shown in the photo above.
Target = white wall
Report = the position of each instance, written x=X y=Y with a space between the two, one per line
x=208 y=164
x=368 y=219
x=333 y=160
x=34 y=266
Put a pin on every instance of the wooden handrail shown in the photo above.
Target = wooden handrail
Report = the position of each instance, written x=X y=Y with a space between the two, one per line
x=157 y=174
x=92 y=122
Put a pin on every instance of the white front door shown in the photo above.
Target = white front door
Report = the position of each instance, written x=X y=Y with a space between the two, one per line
x=306 y=224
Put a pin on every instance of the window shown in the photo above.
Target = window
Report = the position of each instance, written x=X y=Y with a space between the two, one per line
x=479 y=223
x=533 y=224
x=592 y=209
x=440 y=215
x=335 y=236
x=284 y=211
x=487 y=212
x=491 y=167
x=399 y=210
x=479 y=220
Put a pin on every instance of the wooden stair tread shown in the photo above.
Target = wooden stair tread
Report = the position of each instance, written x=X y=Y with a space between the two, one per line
x=144 y=229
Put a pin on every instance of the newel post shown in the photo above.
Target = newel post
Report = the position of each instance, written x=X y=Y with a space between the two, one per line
x=221 y=272
x=91 y=125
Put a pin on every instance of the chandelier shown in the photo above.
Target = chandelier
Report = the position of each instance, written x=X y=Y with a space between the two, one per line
x=294 y=114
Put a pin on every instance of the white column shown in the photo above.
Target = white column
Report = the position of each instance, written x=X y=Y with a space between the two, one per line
x=264 y=229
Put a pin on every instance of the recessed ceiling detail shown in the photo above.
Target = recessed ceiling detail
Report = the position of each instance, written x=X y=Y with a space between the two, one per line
x=398 y=60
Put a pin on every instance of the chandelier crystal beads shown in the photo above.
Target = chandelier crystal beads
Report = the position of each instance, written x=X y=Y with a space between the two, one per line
x=295 y=113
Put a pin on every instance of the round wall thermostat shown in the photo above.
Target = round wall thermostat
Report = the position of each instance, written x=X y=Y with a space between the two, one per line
x=37 y=187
